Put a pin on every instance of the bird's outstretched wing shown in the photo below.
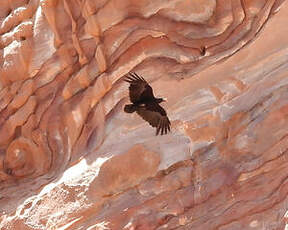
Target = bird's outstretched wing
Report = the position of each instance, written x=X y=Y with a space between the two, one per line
x=139 y=89
x=156 y=116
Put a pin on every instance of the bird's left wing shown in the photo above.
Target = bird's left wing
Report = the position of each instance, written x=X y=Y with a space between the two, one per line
x=139 y=89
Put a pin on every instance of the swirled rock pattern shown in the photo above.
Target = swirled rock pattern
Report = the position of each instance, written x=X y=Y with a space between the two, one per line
x=70 y=158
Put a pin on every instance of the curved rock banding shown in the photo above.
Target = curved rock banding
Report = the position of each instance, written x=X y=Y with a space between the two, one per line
x=62 y=96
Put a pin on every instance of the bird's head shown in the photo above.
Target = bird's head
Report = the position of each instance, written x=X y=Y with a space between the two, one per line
x=159 y=100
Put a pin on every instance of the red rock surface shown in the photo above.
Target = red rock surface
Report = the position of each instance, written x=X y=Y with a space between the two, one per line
x=70 y=158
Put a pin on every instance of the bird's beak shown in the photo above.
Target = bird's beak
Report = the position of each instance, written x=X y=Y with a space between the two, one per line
x=164 y=99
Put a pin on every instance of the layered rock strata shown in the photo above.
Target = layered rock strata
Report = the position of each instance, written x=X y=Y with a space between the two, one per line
x=70 y=158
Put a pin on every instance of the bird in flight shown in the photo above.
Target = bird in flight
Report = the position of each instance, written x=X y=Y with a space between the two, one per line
x=145 y=104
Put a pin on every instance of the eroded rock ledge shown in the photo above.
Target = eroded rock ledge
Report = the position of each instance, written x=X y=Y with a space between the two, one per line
x=70 y=158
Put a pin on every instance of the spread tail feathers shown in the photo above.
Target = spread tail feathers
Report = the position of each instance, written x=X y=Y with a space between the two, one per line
x=130 y=108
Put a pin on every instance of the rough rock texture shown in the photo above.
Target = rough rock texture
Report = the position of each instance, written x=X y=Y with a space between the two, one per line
x=70 y=158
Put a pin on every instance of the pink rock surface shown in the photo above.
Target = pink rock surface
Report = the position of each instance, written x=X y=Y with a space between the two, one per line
x=70 y=158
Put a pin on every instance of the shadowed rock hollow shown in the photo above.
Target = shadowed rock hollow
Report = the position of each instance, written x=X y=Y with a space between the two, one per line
x=70 y=158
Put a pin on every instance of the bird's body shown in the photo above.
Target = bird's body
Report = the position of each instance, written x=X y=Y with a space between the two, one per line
x=145 y=104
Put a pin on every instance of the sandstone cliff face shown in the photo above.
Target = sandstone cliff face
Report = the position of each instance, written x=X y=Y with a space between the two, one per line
x=70 y=158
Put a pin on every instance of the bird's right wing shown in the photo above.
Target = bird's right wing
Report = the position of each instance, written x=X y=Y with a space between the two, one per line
x=155 y=119
x=139 y=89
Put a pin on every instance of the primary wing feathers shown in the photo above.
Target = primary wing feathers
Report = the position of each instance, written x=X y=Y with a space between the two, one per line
x=153 y=114
x=139 y=89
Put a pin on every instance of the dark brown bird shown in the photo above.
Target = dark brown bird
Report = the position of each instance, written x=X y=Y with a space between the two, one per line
x=145 y=104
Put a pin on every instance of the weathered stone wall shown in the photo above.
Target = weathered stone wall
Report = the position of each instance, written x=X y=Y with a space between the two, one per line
x=70 y=158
